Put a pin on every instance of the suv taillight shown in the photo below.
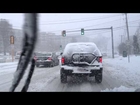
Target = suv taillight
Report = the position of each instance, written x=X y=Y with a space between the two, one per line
x=100 y=59
x=62 y=60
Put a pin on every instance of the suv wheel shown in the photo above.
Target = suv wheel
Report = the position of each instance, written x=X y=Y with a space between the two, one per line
x=98 y=76
x=63 y=76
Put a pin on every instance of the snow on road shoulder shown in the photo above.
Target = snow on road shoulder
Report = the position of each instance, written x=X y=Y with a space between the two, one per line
x=125 y=72
x=119 y=89
x=7 y=64
x=8 y=67
x=41 y=84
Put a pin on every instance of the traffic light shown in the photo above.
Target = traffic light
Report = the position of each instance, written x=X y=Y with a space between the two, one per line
x=11 y=39
x=64 y=33
x=82 y=31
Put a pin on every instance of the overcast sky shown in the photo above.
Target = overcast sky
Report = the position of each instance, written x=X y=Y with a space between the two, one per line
x=56 y=22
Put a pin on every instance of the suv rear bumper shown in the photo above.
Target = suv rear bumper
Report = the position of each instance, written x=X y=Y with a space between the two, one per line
x=89 y=71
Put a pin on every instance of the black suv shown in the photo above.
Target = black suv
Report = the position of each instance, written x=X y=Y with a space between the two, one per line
x=47 y=59
x=81 y=59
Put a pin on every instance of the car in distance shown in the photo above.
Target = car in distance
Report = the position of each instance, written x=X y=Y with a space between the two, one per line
x=46 y=58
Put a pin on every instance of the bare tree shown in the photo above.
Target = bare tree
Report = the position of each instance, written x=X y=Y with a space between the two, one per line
x=122 y=47
x=135 y=45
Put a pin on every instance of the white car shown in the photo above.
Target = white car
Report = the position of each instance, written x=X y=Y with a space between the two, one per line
x=81 y=59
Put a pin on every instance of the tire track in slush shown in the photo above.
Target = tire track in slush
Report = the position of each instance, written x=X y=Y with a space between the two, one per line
x=8 y=77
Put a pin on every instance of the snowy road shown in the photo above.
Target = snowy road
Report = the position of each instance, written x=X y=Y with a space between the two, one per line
x=48 y=79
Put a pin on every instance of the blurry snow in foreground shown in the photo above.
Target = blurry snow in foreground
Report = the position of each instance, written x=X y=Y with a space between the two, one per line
x=119 y=89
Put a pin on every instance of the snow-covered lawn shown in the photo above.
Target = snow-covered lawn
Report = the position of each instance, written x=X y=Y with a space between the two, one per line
x=6 y=58
x=8 y=63
x=8 y=67
x=126 y=72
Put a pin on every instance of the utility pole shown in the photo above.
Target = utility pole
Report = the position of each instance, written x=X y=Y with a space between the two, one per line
x=112 y=42
x=121 y=38
x=128 y=37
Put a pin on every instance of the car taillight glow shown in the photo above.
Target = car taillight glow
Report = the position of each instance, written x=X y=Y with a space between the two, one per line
x=62 y=60
x=100 y=59
x=49 y=58
x=35 y=58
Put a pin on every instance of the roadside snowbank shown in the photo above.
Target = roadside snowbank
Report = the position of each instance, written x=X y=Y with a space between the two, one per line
x=119 y=89
x=126 y=72
x=8 y=64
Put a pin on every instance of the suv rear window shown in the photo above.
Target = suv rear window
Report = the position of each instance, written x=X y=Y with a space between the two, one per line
x=81 y=47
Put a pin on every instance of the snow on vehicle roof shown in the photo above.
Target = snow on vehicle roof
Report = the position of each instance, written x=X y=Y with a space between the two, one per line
x=87 y=47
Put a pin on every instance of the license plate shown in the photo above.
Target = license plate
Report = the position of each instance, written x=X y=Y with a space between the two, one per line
x=82 y=69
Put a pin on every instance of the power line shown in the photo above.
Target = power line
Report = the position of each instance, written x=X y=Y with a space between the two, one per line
x=79 y=20
x=86 y=26
x=90 y=25
x=95 y=25
x=121 y=21
x=84 y=18
x=134 y=21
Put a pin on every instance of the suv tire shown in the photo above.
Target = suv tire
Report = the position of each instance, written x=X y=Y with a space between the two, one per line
x=98 y=76
x=63 y=76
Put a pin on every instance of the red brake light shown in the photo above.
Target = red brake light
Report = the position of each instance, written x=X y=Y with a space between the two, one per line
x=100 y=59
x=62 y=60
x=49 y=58
x=35 y=57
